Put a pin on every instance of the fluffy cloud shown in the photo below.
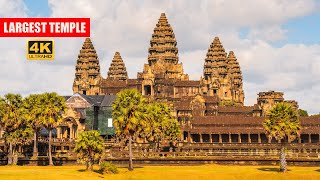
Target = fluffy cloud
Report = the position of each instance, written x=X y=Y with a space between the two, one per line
x=13 y=8
x=126 y=26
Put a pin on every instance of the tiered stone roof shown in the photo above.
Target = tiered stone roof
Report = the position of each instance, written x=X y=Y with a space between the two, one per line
x=163 y=43
x=163 y=54
x=117 y=69
x=87 y=76
x=215 y=62
x=88 y=61
x=234 y=69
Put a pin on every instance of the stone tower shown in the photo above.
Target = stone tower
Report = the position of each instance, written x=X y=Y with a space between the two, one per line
x=221 y=75
x=162 y=59
x=235 y=75
x=163 y=53
x=117 y=69
x=87 y=77
x=267 y=99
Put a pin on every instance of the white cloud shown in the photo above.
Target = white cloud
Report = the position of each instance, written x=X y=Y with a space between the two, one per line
x=126 y=26
x=13 y=8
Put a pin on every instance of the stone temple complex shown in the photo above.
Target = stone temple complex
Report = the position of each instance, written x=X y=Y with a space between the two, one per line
x=210 y=110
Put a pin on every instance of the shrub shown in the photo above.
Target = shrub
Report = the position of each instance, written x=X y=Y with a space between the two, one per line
x=109 y=168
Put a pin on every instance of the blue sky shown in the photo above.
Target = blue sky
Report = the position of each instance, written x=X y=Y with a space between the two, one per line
x=277 y=43
x=299 y=30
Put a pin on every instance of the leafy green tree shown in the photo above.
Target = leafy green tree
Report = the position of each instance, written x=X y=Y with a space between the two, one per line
x=17 y=131
x=283 y=124
x=53 y=106
x=89 y=147
x=32 y=108
x=161 y=125
x=128 y=116
x=303 y=112
x=19 y=137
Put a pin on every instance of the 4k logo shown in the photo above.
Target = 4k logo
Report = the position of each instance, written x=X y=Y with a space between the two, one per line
x=40 y=50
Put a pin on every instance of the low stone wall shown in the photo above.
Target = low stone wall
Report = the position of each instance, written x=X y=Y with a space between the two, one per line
x=180 y=161
x=225 y=161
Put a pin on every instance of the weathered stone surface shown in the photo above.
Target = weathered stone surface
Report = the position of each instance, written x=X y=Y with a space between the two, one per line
x=222 y=75
x=163 y=54
x=87 y=76
x=117 y=69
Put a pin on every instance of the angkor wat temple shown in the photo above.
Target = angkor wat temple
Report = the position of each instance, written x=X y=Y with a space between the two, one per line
x=211 y=110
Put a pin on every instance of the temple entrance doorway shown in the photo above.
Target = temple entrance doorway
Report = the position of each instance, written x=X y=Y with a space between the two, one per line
x=147 y=90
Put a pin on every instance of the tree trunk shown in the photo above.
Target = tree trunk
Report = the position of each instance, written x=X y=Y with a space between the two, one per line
x=15 y=156
x=130 y=154
x=35 y=143
x=50 y=155
x=87 y=165
x=90 y=164
x=283 y=162
x=10 y=154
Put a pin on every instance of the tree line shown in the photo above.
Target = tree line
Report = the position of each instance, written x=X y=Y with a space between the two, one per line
x=133 y=118
x=21 y=119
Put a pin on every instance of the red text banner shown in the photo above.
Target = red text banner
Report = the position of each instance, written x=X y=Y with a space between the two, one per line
x=44 y=27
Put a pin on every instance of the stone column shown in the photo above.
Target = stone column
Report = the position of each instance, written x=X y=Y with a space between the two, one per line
x=210 y=137
x=189 y=136
x=65 y=132
x=309 y=138
x=269 y=140
x=249 y=138
x=239 y=138
x=71 y=132
x=220 y=138
x=299 y=139
x=201 y=140
x=230 y=141
x=58 y=132
x=259 y=138
x=182 y=136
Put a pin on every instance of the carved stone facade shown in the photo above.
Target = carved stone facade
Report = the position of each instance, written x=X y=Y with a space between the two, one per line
x=222 y=74
x=117 y=69
x=163 y=78
x=210 y=109
x=87 y=77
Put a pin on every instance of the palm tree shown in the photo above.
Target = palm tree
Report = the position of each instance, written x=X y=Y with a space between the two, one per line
x=128 y=112
x=53 y=106
x=32 y=111
x=282 y=124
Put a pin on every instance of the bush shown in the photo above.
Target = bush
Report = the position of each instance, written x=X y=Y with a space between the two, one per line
x=108 y=167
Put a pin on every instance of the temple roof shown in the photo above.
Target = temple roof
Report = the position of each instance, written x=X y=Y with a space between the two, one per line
x=113 y=83
x=88 y=62
x=236 y=109
x=117 y=69
x=215 y=62
x=187 y=83
x=234 y=69
x=163 y=42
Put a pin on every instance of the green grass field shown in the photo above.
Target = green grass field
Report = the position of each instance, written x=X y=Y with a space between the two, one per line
x=161 y=172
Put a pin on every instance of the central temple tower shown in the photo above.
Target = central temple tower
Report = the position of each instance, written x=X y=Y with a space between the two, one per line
x=162 y=58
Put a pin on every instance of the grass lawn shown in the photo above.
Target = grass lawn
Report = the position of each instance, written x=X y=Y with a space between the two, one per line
x=161 y=172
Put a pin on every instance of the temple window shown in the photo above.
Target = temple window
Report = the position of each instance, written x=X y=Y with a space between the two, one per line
x=214 y=91
x=84 y=92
